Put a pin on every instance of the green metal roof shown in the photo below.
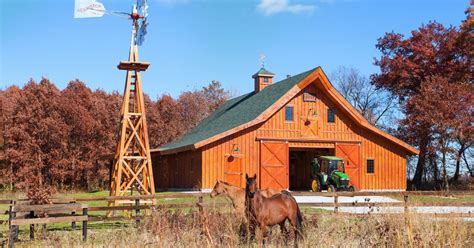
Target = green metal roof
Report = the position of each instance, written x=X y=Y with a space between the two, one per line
x=263 y=71
x=331 y=158
x=236 y=112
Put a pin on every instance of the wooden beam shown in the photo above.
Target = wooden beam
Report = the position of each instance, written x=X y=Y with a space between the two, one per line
x=133 y=66
x=18 y=222
x=307 y=140
x=67 y=208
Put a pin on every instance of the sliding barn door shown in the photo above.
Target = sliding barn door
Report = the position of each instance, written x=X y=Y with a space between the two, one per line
x=351 y=155
x=274 y=169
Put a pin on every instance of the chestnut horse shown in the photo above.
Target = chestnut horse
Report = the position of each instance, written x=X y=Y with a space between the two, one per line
x=237 y=195
x=266 y=212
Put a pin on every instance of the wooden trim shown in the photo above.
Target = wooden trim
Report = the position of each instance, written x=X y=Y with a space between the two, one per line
x=307 y=140
x=349 y=109
x=175 y=150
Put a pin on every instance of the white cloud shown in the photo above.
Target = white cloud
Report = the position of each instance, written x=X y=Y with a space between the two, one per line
x=271 y=7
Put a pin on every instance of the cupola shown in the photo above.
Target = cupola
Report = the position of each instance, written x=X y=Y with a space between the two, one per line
x=262 y=79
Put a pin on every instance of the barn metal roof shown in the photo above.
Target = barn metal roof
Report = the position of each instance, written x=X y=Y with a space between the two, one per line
x=237 y=111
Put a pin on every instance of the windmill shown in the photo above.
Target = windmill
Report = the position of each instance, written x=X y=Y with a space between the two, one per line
x=132 y=167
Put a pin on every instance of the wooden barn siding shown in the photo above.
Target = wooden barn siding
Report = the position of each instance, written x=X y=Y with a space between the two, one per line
x=181 y=170
x=214 y=156
x=173 y=171
x=390 y=162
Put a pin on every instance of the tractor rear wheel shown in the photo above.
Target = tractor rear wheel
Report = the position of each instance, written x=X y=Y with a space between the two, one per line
x=316 y=185
x=352 y=188
x=331 y=188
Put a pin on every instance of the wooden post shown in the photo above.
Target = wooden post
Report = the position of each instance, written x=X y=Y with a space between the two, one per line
x=73 y=224
x=44 y=231
x=336 y=204
x=84 y=225
x=11 y=228
x=32 y=226
x=137 y=212
x=405 y=199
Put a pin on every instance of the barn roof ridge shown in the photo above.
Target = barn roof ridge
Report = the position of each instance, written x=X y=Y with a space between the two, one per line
x=236 y=111
x=250 y=109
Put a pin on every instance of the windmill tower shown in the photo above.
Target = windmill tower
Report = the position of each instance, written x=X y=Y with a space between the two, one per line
x=132 y=168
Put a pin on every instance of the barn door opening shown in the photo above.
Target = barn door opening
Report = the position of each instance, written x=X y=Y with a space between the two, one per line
x=274 y=169
x=300 y=165
x=233 y=171
x=351 y=155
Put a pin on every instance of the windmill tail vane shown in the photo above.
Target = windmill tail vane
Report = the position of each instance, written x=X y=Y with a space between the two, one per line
x=93 y=8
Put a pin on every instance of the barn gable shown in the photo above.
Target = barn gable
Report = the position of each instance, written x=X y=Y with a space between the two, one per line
x=256 y=107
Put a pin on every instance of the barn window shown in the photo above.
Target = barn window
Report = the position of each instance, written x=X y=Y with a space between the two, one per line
x=265 y=80
x=331 y=115
x=370 y=166
x=289 y=113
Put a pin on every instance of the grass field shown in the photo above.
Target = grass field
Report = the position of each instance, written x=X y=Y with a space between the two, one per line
x=177 y=229
x=183 y=228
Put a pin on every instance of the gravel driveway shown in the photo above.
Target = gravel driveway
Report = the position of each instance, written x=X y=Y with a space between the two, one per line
x=379 y=209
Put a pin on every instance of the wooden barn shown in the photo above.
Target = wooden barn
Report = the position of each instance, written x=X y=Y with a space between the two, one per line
x=275 y=131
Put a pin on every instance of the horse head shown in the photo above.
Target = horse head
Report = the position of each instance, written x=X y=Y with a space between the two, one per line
x=218 y=189
x=251 y=185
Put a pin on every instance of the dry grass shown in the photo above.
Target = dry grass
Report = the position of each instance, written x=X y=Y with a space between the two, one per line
x=180 y=229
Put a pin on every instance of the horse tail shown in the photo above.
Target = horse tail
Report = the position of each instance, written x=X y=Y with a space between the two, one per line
x=299 y=216
x=299 y=220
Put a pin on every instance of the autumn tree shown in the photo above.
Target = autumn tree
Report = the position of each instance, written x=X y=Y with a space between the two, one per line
x=430 y=64
x=66 y=138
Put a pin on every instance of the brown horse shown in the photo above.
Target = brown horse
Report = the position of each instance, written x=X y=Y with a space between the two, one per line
x=237 y=195
x=266 y=212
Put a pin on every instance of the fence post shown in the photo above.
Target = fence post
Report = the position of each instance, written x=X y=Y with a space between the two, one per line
x=137 y=212
x=73 y=224
x=336 y=204
x=405 y=199
x=84 y=224
x=32 y=226
x=11 y=228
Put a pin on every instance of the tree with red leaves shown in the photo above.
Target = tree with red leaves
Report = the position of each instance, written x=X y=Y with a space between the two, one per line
x=431 y=73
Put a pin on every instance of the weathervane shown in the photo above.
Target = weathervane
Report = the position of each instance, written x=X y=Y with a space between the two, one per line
x=262 y=59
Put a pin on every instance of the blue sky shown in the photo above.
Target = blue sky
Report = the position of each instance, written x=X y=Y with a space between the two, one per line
x=190 y=43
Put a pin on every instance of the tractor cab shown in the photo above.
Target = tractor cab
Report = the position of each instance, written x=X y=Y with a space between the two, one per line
x=328 y=173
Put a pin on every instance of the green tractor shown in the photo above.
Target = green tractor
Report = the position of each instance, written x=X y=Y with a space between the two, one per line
x=327 y=172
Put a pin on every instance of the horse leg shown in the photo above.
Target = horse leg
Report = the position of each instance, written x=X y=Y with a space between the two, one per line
x=284 y=232
x=264 y=231
x=293 y=225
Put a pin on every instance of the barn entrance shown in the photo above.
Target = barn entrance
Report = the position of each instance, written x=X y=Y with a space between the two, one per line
x=300 y=166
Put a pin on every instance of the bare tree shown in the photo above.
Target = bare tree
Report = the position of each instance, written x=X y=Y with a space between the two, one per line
x=376 y=105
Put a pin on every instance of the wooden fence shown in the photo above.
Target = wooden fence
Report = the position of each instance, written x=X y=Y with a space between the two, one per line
x=74 y=210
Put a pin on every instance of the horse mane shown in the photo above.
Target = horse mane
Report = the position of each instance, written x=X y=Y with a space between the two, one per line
x=225 y=183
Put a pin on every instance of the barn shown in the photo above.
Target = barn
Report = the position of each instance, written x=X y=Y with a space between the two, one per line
x=275 y=131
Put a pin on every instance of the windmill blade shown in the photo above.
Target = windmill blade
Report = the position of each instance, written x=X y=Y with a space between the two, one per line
x=88 y=9
x=117 y=13
x=142 y=7
x=142 y=31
